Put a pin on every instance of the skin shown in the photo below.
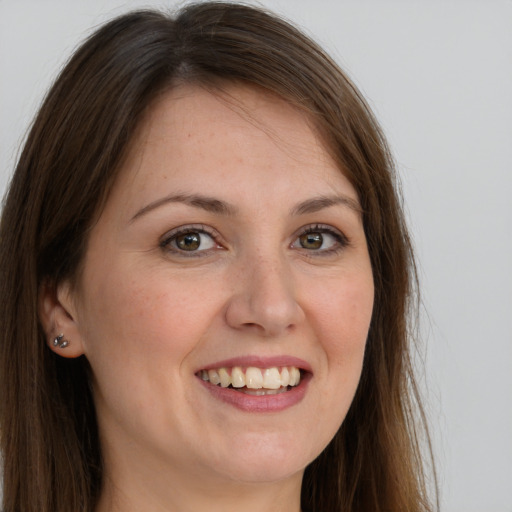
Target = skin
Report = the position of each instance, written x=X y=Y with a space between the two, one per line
x=148 y=315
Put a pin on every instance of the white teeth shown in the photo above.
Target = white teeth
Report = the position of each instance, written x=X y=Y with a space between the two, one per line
x=294 y=376
x=253 y=378
x=213 y=377
x=285 y=377
x=271 y=378
x=225 y=379
x=237 y=377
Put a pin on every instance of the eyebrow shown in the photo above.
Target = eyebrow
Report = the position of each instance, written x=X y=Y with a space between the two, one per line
x=209 y=204
x=212 y=205
x=320 y=203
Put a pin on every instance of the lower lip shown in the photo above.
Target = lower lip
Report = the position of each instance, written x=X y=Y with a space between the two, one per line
x=263 y=403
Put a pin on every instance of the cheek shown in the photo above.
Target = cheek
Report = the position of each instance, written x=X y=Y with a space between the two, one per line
x=340 y=310
x=147 y=311
x=344 y=309
x=139 y=332
x=343 y=318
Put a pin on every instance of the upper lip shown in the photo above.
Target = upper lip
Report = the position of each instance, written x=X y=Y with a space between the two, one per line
x=259 y=362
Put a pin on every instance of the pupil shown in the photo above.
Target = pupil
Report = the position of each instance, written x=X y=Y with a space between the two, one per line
x=311 y=240
x=189 y=241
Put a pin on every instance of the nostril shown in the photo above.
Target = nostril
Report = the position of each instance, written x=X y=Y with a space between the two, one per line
x=265 y=304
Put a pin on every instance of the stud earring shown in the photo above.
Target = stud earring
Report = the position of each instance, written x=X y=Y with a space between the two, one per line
x=60 y=342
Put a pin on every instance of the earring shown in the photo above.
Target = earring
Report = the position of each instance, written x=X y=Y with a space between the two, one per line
x=60 y=342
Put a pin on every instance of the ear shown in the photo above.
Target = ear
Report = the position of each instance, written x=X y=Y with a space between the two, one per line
x=57 y=313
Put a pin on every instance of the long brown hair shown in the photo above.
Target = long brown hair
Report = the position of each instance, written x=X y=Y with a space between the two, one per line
x=52 y=458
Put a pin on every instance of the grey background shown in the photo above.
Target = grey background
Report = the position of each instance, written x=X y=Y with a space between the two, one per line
x=439 y=76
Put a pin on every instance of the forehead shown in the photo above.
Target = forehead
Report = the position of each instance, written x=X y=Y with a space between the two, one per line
x=194 y=113
x=236 y=135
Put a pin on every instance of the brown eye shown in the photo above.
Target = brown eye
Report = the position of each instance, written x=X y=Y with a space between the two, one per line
x=311 y=241
x=188 y=241
x=320 y=240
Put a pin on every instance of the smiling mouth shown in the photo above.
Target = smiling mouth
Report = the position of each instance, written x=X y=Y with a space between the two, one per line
x=253 y=380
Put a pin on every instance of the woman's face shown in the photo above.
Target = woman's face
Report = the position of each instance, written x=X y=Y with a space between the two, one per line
x=231 y=252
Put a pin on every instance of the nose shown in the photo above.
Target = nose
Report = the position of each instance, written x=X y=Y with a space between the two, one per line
x=264 y=298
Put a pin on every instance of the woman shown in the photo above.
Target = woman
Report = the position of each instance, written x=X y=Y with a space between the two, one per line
x=206 y=279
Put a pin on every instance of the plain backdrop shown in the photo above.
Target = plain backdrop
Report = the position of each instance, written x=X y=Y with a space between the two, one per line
x=438 y=75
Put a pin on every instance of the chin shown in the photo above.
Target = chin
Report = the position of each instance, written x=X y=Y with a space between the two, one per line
x=265 y=459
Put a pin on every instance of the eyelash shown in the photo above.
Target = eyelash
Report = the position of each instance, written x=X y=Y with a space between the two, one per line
x=171 y=237
x=342 y=242
x=166 y=243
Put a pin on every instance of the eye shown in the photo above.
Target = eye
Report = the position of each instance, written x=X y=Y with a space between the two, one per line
x=188 y=240
x=322 y=239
